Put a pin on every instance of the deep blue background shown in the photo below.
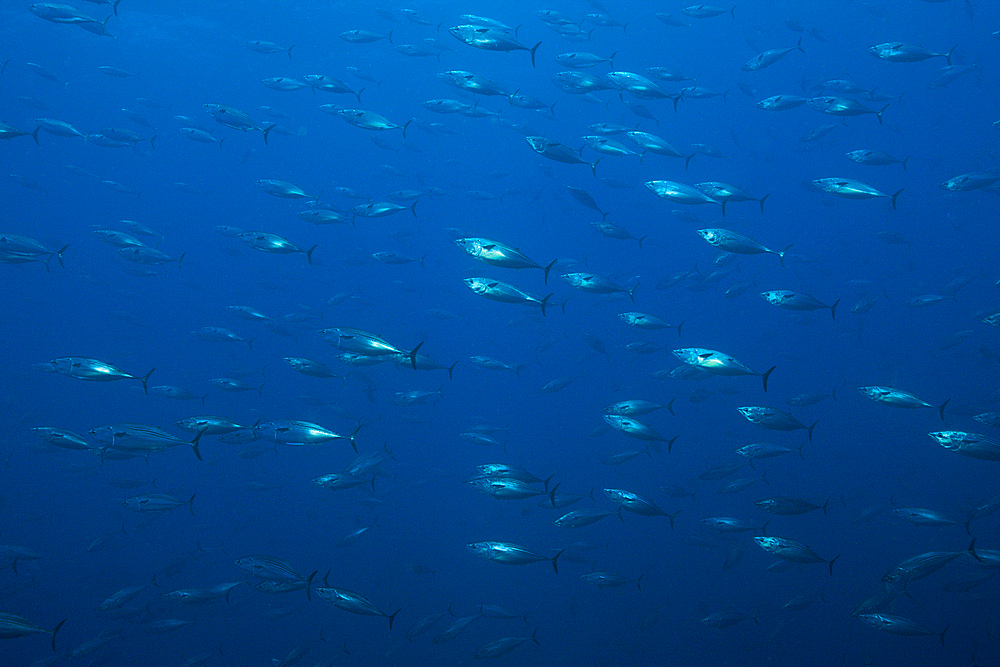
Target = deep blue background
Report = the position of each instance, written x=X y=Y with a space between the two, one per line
x=863 y=454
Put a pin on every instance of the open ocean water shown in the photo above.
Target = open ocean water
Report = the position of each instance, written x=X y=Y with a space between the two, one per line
x=304 y=476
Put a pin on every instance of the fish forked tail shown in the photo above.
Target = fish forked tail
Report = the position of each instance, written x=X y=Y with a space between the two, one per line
x=535 y=48
x=766 y=374
x=781 y=253
x=145 y=380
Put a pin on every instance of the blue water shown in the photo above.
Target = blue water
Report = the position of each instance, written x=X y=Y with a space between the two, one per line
x=60 y=505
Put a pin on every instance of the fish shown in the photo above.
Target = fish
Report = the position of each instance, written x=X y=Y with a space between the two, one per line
x=595 y=284
x=707 y=11
x=775 y=420
x=511 y=554
x=842 y=106
x=495 y=290
x=274 y=244
x=682 y=194
x=584 y=517
x=718 y=363
x=792 y=551
x=369 y=120
x=898 y=398
x=157 y=502
x=490 y=39
x=973 y=445
x=899 y=625
x=342 y=598
x=790 y=506
x=500 y=254
x=781 y=102
x=260 y=46
x=730 y=241
x=876 y=158
x=790 y=300
x=554 y=150
x=851 y=189
x=95 y=370
x=901 y=52
x=633 y=502
x=236 y=119
x=13 y=626
x=769 y=57
x=610 y=580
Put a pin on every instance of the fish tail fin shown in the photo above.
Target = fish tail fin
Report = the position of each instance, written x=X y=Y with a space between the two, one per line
x=190 y=503
x=672 y=517
x=152 y=141
x=763 y=478
x=802 y=456
x=392 y=617
x=968 y=522
x=631 y=292
x=404 y=126
x=555 y=560
x=267 y=130
x=766 y=375
x=549 y=268
x=197 y=452
x=393 y=43
x=60 y=624
x=833 y=309
x=309 y=582
x=732 y=12
x=781 y=254
x=761 y=201
x=832 y=561
x=59 y=255
x=947 y=57
x=220 y=142
x=358 y=95
x=34 y=135
x=809 y=430
x=593 y=166
x=640 y=239
x=670 y=443
x=452 y=368
x=260 y=388
x=763 y=529
x=353 y=438
x=180 y=261
x=535 y=48
x=723 y=203
x=145 y=380
x=798 y=46
x=611 y=60
x=309 y=254
x=688 y=159
x=670 y=406
x=413 y=206
x=892 y=198
x=679 y=327
x=545 y=300
x=824 y=504
x=879 y=113
x=905 y=161
x=942 y=634
x=942 y=407
x=288 y=50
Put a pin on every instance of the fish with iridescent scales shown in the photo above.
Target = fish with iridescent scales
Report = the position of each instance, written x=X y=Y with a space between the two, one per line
x=596 y=284
x=919 y=516
x=682 y=193
x=789 y=506
x=775 y=420
x=871 y=157
x=341 y=598
x=647 y=321
x=495 y=290
x=634 y=407
x=636 y=429
x=157 y=502
x=554 y=150
x=843 y=106
x=510 y=554
x=792 y=551
x=718 y=363
x=790 y=300
x=302 y=433
x=899 y=398
x=274 y=244
x=490 y=39
x=633 y=502
x=236 y=119
x=730 y=241
x=901 y=52
x=496 y=253
x=13 y=626
x=848 y=188
x=899 y=625
x=584 y=517
x=94 y=370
